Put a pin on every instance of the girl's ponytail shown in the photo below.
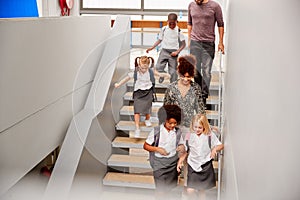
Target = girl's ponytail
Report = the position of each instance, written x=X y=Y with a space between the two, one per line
x=144 y=60
x=152 y=61
x=136 y=62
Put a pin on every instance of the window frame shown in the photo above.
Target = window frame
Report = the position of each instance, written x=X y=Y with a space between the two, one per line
x=142 y=11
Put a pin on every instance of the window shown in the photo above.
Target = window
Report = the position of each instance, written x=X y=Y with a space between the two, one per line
x=134 y=7
x=129 y=4
x=166 y=4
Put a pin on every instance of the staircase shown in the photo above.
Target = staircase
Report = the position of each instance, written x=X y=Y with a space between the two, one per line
x=129 y=166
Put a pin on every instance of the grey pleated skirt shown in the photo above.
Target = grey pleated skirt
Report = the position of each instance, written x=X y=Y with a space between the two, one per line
x=143 y=101
x=204 y=179
x=165 y=172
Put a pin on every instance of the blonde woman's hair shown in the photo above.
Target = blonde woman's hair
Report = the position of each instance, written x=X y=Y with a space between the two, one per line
x=144 y=60
x=201 y=119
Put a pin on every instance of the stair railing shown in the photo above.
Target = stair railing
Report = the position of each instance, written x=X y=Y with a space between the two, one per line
x=220 y=120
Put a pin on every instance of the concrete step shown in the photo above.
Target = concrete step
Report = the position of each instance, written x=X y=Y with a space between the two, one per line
x=128 y=111
x=160 y=98
x=129 y=180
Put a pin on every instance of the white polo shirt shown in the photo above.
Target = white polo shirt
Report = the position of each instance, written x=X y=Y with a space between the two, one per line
x=167 y=140
x=199 y=150
x=169 y=37
x=143 y=81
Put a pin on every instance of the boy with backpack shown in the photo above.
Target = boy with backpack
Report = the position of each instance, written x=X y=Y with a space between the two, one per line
x=173 y=42
x=162 y=143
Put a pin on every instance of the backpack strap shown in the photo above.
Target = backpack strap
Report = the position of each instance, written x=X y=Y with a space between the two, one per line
x=134 y=76
x=152 y=78
x=163 y=31
x=179 y=41
x=156 y=136
x=155 y=144
x=187 y=137
x=209 y=141
x=178 y=135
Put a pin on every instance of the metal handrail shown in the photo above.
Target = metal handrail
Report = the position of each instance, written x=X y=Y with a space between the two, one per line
x=220 y=122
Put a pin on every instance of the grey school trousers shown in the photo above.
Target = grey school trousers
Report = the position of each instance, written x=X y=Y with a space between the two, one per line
x=164 y=58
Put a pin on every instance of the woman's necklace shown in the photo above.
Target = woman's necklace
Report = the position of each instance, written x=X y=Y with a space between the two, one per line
x=183 y=88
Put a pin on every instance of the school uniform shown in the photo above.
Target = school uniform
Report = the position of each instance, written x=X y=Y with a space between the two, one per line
x=165 y=167
x=142 y=93
x=169 y=43
x=200 y=169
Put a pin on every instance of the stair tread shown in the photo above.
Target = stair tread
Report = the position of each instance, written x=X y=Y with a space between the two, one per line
x=129 y=161
x=138 y=152
x=130 y=126
x=129 y=110
x=127 y=142
x=143 y=134
x=129 y=180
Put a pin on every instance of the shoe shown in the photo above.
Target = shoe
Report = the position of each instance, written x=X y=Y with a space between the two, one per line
x=161 y=79
x=148 y=123
x=137 y=133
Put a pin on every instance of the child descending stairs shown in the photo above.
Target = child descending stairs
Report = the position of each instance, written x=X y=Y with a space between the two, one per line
x=130 y=167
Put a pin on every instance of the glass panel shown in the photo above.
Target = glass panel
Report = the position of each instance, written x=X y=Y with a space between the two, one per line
x=158 y=18
x=135 y=17
x=150 y=39
x=136 y=38
x=130 y=4
x=166 y=4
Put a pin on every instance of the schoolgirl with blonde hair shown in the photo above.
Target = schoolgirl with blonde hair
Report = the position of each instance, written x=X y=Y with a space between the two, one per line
x=201 y=119
x=201 y=148
x=143 y=89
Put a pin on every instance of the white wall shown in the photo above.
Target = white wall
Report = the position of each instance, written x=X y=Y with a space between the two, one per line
x=262 y=101
x=46 y=68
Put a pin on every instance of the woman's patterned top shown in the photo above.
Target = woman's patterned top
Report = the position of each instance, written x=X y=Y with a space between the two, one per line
x=191 y=104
